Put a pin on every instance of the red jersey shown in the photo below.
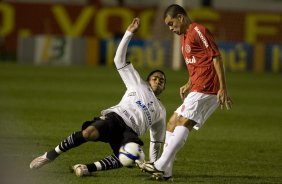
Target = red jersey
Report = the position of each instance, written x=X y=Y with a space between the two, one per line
x=198 y=50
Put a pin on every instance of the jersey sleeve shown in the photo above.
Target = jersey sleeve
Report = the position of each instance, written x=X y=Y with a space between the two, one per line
x=157 y=135
x=126 y=70
x=207 y=41
x=203 y=37
x=130 y=76
x=214 y=51
x=120 y=57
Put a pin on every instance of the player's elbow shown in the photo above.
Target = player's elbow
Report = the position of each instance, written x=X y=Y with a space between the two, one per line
x=119 y=62
x=116 y=59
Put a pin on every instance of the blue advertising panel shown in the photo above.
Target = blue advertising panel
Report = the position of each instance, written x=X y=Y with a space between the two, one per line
x=149 y=53
x=237 y=56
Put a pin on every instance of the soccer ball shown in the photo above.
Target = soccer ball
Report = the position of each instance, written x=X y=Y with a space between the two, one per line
x=130 y=152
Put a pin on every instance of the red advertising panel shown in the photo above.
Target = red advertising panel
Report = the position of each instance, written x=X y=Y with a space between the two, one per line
x=253 y=29
x=17 y=19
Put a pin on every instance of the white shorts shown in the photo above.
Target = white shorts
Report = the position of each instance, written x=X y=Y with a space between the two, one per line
x=198 y=107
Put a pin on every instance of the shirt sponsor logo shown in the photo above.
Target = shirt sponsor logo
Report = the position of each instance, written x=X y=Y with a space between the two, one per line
x=201 y=36
x=190 y=60
x=126 y=114
x=133 y=122
x=145 y=110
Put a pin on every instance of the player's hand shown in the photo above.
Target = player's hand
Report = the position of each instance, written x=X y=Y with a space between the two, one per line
x=224 y=100
x=135 y=24
x=183 y=91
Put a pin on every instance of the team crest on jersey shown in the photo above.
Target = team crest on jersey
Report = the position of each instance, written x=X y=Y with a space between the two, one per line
x=132 y=94
x=187 y=48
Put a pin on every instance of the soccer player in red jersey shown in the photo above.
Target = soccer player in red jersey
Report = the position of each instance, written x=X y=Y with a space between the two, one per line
x=205 y=90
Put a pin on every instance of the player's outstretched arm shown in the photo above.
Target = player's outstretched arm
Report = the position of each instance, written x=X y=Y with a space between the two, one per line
x=120 y=57
x=222 y=95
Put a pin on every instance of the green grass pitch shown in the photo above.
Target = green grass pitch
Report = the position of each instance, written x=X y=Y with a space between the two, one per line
x=41 y=105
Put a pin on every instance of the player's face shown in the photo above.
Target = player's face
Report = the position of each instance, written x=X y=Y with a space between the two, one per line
x=157 y=82
x=175 y=25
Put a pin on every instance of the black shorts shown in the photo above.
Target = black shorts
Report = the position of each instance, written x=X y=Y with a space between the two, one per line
x=114 y=131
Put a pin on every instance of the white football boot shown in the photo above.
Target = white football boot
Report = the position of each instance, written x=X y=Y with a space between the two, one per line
x=39 y=161
x=150 y=168
x=81 y=170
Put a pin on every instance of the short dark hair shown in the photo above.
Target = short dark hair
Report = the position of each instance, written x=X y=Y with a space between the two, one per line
x=173 y=10
x=155 y=71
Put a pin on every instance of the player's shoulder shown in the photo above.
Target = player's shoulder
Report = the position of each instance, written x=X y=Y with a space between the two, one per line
x=198 y=27
x=197 y=24
x=162 y=107
x=195 y=29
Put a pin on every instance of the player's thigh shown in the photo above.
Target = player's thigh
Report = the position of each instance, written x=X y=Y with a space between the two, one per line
x=179 y=120
x=128 y=135
x=103 y=130
x=188 y=123
x=196 y=108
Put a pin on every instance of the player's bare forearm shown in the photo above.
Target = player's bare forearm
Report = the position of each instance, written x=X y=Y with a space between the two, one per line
x=218 y=64
x=222 y=95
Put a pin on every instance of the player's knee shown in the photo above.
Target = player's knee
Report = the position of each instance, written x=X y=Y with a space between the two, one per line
x=171 y=125
x=189 y=124
x=90 y=133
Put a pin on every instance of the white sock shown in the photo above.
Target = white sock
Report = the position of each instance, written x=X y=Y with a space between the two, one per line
x=98 y=165
x=57 y=149
x=168 y=135
x=168 y=170
x=178 y=139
